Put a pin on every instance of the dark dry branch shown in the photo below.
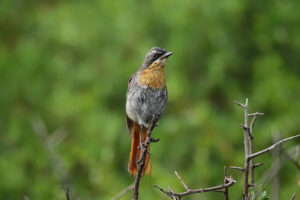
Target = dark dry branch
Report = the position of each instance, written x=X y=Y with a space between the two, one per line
x=249 y=165
x=246 y=147
x=251 y=138
x=270 y=148
x=182 y=182
x=254 y=115
x=228 y=181
x=123 y=192
x=141 y=161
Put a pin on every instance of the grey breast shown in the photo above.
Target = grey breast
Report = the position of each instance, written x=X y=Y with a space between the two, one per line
x=144 y=103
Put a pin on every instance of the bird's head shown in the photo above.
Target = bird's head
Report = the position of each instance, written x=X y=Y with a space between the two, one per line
x=156 y=58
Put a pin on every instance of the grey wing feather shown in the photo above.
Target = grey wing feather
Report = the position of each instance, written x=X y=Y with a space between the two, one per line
x=129 y=122
x=166 y=101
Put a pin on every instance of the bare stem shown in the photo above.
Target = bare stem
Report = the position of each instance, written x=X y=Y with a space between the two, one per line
x=251 y=138
x=246 y=147
x=182 y=182
x=141 y=162
x=228 y=181
x=249 y=165
x=174 y=195
x=270 y=148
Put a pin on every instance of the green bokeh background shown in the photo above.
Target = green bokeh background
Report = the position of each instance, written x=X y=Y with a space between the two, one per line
x=68 y=63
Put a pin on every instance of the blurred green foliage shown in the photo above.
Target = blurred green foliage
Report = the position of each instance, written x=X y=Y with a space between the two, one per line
x=69 y=61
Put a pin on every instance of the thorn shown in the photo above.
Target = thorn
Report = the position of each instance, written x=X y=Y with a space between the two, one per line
x=237 y=168
x=240 y=104
x=225 y=171
x=154 y=140
x=245 y=127
x=258 y=164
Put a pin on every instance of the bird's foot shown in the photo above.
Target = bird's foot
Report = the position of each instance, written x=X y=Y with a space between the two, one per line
x=143 y=147
x=154 y=140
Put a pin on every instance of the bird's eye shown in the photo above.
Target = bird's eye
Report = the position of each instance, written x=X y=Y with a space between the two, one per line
x=155 y=56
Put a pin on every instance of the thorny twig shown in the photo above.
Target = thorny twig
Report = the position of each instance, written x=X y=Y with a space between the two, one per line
x=182 y=182
x=228 y=181
x=249 y=166
x=247 y=169
x=251 y=138
x=246 y=147
x=141 y=161
x=270 y=148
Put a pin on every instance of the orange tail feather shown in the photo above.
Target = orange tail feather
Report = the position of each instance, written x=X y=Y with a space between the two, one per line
x=147 y=167
x=135 y=152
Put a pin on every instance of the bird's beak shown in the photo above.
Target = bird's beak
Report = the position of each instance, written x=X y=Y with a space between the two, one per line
x=166 y=55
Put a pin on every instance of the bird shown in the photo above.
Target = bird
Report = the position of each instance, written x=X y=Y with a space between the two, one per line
x=146 y=99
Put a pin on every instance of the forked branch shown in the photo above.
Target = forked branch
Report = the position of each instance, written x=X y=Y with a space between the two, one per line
x=270 y=148
x=249 y=165
x=228 y=181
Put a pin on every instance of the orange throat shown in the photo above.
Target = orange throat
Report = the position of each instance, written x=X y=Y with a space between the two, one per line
x=153 y=77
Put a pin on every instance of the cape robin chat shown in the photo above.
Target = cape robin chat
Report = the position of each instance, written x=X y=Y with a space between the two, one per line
x=146 y=98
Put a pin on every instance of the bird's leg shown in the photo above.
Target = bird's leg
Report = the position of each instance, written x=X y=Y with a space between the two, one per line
x=143 y=144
